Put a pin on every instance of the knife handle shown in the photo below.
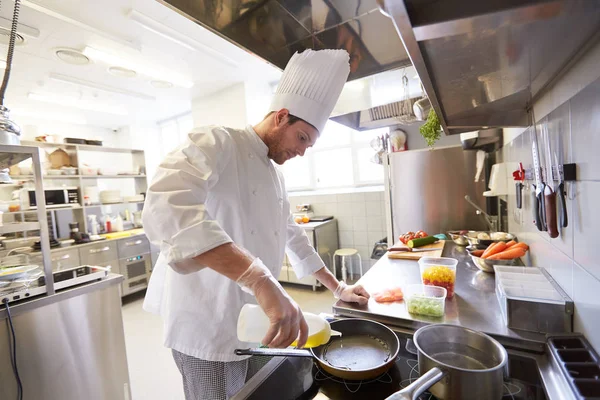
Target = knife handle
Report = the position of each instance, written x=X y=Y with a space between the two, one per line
x=535 y=209
x=519 y=187
x=542 y=208
x=564 y=218
x=551 y=223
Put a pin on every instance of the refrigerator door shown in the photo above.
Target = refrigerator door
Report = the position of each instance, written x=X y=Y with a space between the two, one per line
x=427 y=191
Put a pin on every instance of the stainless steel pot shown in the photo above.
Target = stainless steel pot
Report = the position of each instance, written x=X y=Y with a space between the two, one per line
x=457 y=363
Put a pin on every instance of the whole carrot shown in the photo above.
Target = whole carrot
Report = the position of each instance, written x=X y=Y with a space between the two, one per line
x=477 y=253
x=510 y=244
x=489 y=248
x=498 y=248
x=522 y=245
x=509 y=254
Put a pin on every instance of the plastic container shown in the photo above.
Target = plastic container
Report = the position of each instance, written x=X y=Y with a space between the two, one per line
x=253 y=325
x=439 y=271
x=425 y=300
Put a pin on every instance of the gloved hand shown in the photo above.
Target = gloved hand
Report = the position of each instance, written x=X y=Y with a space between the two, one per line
x=287 y=321
x=351 y=294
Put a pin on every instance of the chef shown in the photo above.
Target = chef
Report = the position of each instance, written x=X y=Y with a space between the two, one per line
x=218 y=209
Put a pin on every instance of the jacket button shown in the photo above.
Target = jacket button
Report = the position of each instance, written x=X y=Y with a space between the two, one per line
x=252 y=232
x=254 y=192
x=250 y=155
x=276 y=233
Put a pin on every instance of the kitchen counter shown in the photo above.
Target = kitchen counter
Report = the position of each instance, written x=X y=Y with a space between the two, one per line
x=473 y=306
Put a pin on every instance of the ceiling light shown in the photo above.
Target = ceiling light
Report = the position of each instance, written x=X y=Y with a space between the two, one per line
x=122 y=72
x=93 y=85
x=58 y=117
x=161 y=84
x=177 y=37
x=5 y=37
x=22 y=29
x=77 y=103
x=71 y=56
x=143 y=69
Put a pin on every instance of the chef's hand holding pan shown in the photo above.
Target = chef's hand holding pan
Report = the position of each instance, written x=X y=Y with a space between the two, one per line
x=351 y=294
x=287 y=321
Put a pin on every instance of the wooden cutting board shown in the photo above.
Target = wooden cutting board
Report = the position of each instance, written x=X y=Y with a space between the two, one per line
x=436 y=251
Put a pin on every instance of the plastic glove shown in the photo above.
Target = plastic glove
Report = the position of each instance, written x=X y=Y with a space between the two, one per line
x=287 y=321
x=352 y=293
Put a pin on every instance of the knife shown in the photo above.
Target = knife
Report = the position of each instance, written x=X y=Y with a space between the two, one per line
x=408 y=250
x=538 y=195
x=549 y=193
x=560 y=191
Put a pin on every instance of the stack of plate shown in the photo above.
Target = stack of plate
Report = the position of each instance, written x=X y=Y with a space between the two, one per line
x=110 y=197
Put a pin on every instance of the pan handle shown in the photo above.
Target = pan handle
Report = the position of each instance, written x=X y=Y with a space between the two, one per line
x=415 y=389
x=274 y=352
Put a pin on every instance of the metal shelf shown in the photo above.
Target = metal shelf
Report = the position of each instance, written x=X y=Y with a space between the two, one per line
x=82 y=147
x=114 y=204
x=19 y=227
x=112 y=176
x=30 y=177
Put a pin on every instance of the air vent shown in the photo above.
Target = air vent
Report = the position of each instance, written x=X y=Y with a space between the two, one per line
x=161 y=84
x=384 y=112
x=122 y=72
x=5 y=37
x=72 y=56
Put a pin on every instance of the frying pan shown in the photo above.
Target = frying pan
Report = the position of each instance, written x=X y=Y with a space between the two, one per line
x=366 y=350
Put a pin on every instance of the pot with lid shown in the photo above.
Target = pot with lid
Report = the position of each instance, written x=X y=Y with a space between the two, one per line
x=457 y=363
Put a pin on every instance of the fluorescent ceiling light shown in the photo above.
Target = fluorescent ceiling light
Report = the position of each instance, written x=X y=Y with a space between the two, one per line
x=77 y=103
x=93 y=85
x=23 y=29
x=175 y=36
x=2 y=64
x=58 y=117
x=138 y=67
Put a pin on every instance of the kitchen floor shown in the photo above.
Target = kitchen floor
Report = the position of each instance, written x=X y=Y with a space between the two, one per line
x=152 y=371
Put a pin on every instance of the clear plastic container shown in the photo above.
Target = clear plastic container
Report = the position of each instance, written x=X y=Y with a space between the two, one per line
x=439 y=271
x=425 y=300
x=253 y=325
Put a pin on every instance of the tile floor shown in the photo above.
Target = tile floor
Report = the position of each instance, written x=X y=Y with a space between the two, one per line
x=152 y=372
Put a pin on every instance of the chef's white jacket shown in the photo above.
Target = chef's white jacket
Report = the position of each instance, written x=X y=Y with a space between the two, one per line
x=218 y=187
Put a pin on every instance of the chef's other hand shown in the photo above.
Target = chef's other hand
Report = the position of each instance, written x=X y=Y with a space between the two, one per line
x=287 y=321
x=352 y=293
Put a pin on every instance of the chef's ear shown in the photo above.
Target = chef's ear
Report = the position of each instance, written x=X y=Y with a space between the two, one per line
x=281 y=117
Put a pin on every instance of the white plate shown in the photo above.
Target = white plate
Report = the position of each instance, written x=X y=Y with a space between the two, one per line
x=7 y=274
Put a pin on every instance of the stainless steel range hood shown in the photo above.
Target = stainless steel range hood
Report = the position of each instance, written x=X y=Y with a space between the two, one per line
x=276 y=29
x=483 y=63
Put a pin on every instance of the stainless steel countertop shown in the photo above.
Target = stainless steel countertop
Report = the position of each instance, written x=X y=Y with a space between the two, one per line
x=44 y=300
x=474 y=304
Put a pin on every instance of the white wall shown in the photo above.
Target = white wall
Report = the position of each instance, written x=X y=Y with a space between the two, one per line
x=226 y=107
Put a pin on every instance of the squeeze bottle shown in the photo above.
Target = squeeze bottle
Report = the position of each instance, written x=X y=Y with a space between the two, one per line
x=253 y=325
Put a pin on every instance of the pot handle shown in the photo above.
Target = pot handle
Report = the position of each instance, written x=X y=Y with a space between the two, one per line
x=274 y=352
x=415 y=389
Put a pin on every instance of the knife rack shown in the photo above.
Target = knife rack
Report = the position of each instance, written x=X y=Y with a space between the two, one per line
x=568 y=173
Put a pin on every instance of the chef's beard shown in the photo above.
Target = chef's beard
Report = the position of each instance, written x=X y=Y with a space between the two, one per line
x=277 y=150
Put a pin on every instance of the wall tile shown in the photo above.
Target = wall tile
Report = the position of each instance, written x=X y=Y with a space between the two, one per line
x=346 y=239
x=344 y=209
x=361 y=238
x=560 y=266
x=358 y=197
x=344 y=197
x=585 y=123
x=373 y=196
x=586 y=220
x=374 y=208
x=374 y=224
x=360 y=224
x=587 y=305
x=374 y=237
x=359 y=208
x=345 y=224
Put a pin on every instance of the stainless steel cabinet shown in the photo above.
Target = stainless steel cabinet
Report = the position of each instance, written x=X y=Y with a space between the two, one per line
x=98 y=253
x=323 y=236
x=136 y=270
x=61 y=259
x=133 y=246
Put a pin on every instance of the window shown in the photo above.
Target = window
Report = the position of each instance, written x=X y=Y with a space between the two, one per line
x=174 y=131
x=342 y=157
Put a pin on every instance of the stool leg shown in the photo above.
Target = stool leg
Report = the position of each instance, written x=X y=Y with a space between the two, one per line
x=360 y=265
x=344 y=270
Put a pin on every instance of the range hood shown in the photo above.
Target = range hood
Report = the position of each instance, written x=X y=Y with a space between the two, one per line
x=483 y=63
x=276 y=29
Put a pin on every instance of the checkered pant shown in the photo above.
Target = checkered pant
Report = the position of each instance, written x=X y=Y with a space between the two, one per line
x=214 y=380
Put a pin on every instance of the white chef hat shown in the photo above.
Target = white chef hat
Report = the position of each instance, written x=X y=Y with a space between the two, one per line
x=311 y=85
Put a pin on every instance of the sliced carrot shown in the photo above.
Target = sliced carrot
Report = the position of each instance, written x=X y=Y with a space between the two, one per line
x=510 y=244
x=489 y=248
x=498 y=248
x=389 y=295
x=509 y=254
x=477 y=253
x=522 y=245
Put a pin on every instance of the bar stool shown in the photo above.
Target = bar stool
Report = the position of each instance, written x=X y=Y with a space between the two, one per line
x=344 y=254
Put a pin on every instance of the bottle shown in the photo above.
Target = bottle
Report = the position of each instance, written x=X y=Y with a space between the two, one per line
x=253 y=325
x=118 y=223
x=93 y=224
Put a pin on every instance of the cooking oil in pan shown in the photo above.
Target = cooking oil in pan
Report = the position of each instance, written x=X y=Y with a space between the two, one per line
x=356 y=353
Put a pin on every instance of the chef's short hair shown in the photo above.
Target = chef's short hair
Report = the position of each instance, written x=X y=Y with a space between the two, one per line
x=292 y=119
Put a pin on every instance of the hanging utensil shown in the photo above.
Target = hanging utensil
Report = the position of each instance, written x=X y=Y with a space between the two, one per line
x=538 y=194
x=560 y=187
x=406 y=109
x=549 y=193
x=519 y=177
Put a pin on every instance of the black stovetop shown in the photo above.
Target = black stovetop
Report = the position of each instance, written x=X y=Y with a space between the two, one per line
x=300 y=379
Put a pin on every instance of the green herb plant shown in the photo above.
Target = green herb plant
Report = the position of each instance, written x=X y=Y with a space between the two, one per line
x=431 y=129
